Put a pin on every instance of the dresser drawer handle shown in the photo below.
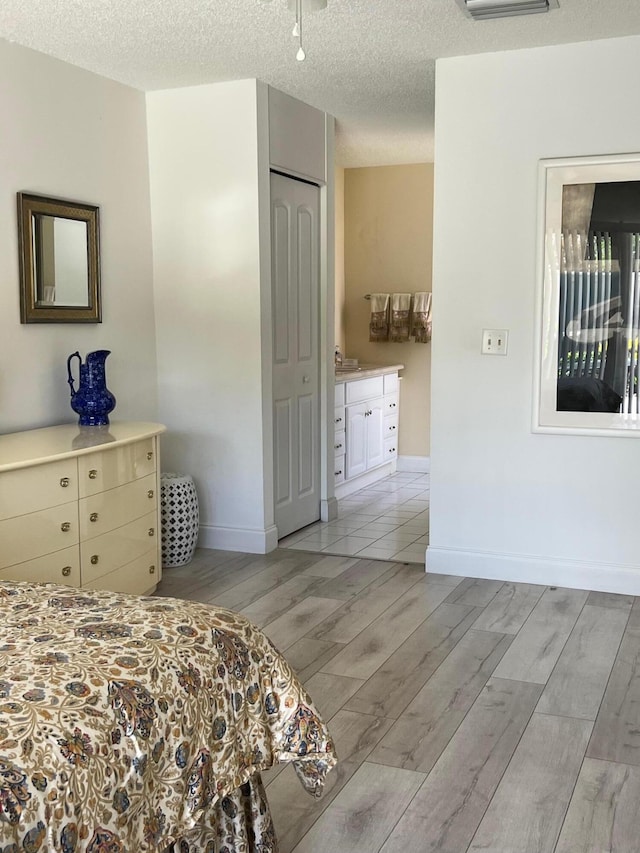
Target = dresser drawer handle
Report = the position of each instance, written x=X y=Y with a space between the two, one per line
x=152 y=570
x=150 y=493
x=338 y=473
x=337 y=446
x=392 y=405
x=65 y=526
x=150 y=455
x=66 y=571
x=392 y=450
x=391 y=428
x=338 y=420
x=93 y=516
x=94 y=560
x=93 y=474
x=64 y=482
x=152 y=531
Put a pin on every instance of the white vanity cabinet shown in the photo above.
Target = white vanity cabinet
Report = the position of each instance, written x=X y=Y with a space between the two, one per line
x=81 y=506
x=364 y=437
x=367 y=410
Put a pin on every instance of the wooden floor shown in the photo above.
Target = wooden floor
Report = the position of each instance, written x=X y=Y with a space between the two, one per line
x=468 y=715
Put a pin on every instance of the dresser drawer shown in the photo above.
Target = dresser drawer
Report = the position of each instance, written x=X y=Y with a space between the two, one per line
x=364 y=389
x=390 y=449
x=103 y=554
x=339 y=469
x=339 y=442
x=135 y=578
x=111 y=509
x=338 y=418
x=339 y=394
x=61 y=567
x=30 y=489
x=107 y=469
x=38 y=533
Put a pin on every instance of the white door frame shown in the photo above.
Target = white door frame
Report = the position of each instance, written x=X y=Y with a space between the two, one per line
x=328 y=502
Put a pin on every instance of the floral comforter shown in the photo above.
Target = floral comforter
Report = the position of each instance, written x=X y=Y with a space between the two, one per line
x=127 y=722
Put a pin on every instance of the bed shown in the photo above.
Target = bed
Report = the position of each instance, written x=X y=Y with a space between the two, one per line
x=143 y=724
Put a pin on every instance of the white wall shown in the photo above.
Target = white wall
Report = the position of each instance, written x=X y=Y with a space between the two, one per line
x=507 y=502
x=209 y=169
x=69 y=133
x=203 y=152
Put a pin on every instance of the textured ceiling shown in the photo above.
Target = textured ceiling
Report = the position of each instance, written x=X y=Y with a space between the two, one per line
x=371 y=63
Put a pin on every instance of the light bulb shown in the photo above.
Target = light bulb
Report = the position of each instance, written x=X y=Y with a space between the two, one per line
x=301 y=55
x=296 y=31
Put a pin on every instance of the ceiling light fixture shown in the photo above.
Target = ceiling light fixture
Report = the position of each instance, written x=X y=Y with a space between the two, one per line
x=481 y=10
x=300 y=9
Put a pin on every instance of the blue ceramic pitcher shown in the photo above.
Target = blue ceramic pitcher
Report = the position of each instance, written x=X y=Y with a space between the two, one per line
x=92 y=401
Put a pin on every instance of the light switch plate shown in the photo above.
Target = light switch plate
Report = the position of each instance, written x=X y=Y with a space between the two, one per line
x=494 y=341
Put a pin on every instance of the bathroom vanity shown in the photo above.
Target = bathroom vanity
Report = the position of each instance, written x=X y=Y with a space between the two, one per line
x=367 y=403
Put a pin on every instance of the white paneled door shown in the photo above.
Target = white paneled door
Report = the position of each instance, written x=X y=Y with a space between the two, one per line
x=295 y=272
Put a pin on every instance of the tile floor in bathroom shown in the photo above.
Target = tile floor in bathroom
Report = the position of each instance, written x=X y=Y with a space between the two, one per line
x=388 y=521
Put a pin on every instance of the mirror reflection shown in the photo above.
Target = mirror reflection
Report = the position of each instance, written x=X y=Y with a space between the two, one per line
x=59 y=260
x=599 y=311
x=62 y=271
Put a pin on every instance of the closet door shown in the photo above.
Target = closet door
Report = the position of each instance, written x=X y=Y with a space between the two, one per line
x=295 y=260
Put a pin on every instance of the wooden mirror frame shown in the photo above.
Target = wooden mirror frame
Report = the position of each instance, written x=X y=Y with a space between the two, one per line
x=32 y=311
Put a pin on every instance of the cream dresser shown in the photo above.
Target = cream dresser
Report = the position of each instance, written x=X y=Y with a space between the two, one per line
x=80 y=506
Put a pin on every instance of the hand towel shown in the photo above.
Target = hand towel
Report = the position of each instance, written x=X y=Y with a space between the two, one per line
x=379 y=322
x=421 y=319
x=400 y=312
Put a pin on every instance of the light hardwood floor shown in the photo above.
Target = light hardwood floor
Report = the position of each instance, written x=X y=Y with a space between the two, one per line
x=468 y=715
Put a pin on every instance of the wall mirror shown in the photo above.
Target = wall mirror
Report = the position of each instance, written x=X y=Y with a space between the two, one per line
x=588 y=359
x=59 y=260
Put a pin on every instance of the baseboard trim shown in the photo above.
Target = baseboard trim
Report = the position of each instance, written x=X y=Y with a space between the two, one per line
x=575 y=574
x=328 y=509
x=366 y=479
x=246 y=539
x=414 y=464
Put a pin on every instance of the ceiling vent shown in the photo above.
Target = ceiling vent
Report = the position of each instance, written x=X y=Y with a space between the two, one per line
x=480 y=10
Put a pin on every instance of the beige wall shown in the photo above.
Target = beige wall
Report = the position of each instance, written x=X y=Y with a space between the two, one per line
x=388 y=225
x=339 y=271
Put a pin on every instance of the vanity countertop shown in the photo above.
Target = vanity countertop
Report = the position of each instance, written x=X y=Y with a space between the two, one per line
x=366 y=370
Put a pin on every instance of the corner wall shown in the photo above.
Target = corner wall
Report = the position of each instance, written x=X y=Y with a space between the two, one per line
x=388 y=219
x=203 y=152
x=339 y=265
x=72 y=134
x=508 y=503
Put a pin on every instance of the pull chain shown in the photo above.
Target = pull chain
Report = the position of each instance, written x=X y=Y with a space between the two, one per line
x=300 y=55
